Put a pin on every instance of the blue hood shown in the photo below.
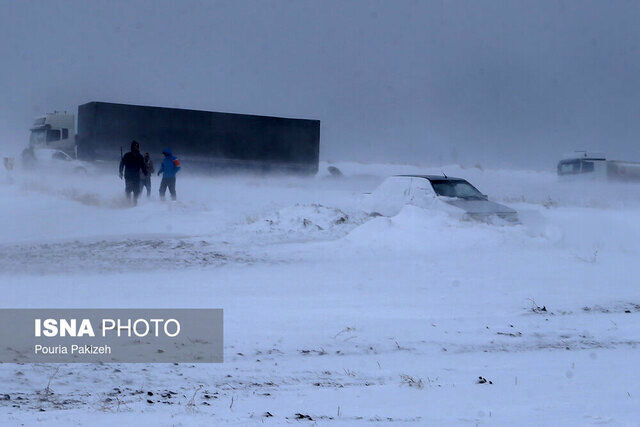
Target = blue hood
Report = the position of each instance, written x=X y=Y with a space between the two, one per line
x=167 y=151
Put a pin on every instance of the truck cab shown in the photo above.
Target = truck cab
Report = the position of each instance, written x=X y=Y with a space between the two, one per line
x=55 y=131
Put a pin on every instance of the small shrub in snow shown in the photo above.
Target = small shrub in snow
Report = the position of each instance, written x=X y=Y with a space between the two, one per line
x=483 y=380
x=412 y=382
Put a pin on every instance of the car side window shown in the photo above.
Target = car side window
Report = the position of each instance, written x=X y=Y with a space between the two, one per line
x=406 y=188
x=422 y=187
x=403 y=186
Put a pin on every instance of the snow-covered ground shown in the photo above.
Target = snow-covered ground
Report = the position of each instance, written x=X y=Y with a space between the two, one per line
x=333 y=315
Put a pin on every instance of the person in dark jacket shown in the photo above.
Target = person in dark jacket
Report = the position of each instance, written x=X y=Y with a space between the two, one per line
x=132 y=163
x=169 y=168
x=146 y=179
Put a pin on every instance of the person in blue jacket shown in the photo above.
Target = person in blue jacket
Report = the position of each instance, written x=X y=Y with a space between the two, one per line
x=169 y=168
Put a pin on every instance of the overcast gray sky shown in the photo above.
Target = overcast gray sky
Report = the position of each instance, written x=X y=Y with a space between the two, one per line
x=497 y=82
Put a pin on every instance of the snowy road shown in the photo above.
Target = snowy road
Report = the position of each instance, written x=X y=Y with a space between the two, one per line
x=332 y=315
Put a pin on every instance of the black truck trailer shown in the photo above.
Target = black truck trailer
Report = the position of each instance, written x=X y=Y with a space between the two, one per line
x=204 y=140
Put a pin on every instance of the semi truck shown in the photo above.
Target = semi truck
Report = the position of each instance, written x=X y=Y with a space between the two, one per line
x=204 y=140
x=585 y=164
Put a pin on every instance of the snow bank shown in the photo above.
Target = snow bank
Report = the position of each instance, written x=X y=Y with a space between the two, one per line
x=302 y=222
x=323 y=312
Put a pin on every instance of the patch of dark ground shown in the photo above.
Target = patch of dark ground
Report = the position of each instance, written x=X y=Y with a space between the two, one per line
x=114 y=256
x=117 y=394
x=623 y=307
x=619 y=307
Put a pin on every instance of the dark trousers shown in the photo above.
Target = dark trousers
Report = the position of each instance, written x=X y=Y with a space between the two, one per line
x=146 y=182
x=168 y=182
x=132 y=186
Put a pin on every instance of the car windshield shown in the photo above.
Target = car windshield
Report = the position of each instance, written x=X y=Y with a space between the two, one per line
x=37 y=137
x=456 y=188
x=566 y=167
x=575 y=166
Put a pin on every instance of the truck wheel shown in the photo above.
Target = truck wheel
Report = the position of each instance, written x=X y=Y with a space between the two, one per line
x=80 y=170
